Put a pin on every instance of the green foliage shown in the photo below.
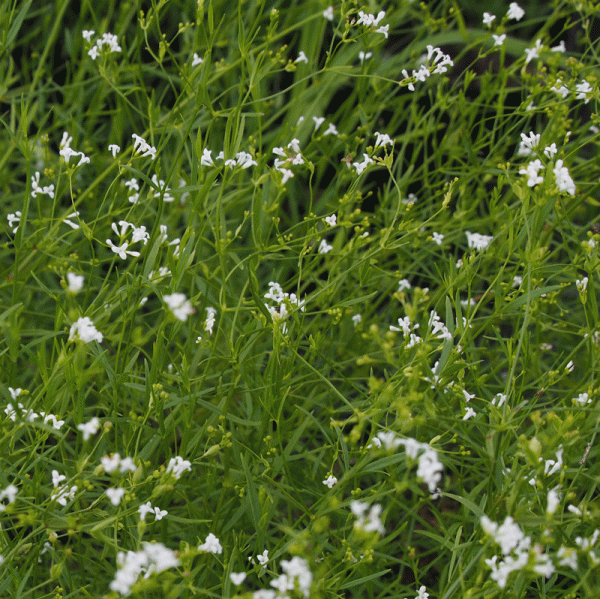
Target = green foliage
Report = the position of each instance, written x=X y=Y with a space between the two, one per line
x=289 y=284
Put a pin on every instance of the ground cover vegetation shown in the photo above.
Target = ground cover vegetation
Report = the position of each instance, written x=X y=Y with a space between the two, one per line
x=298 y=299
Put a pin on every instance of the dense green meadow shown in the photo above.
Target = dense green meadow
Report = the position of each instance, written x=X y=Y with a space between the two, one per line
x=298 y=300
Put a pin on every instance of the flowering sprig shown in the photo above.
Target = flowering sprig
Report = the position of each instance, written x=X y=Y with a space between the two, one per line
x=107 y=40
x=373 y=21
x=138 y=234
x=438 y=65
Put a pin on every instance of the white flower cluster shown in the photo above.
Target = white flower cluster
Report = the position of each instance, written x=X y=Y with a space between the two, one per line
x=37 y=188
x=75 y=282
x=147 y=508
x=62 y=494
x=429 y=469
x=107 y=39
x=277 y=295
x=242 y=159
x=89 y=428
x=382 y=140
x=14 y=220
x=141 y=146
x=152 y=558
x=83 y=329
x=478 y=241
x=162 y=189
x=177 y=466
x=407 y=328
x=209 y=323
x=331 y=129
x=582 y=90
x=30 y=415
x=179 y=305
x=289 y=156
x=211 y=545
x=373 y=21
x=115 y=462
x=67 y=152
x=10 y=494
x=139 y=234
x=439 y=65
x=515 y=548
x=296 y=576
x=367 y=521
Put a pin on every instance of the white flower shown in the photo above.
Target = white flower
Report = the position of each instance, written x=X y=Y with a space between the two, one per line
x=499 y=39
x=37 y=188
x=196 y=60
x=89 y=428
x=330 y=481
x=367 y=522
x=361 y=166
x=237 y=577
x=115 y=149
x=121 y=250
x=560 y=48
x=561 y=89
x=478 y=241
x=301 y=57
x=583 y=398
x=57 y=478
x=369 y=20
x=383 y=139
x=210 y=320
x=110 y=464
x=385 y=29
x=159 y=514
x=532 y=172
x=357 y=319
x=115 y=495
x=263 y=558
x=362 y=56
x=71 y=224
x=581 y=284
x=211 y=545
x=144 y=510
x=324 y=247
x=152 y=558
x=179 y=305
x=515 y=12
x=331 y=220
x=9 y=493
x=550 y=151
x=319 y=120
x=127 y=464
x=530 y=141
x=488 y=18
x=178 y=466
x=142 y=147
x=469 y=413
x=563 y=178
x=63 y=494
x=75 y=282
x=423 y=594
x=583 y=89
x=438 y=238
x=331 y=130
x=84 y=330
x=13 y=218
x=533 y=52
x=87 y=34
x=206 y=159
x=328 y=13
x=553 y=501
